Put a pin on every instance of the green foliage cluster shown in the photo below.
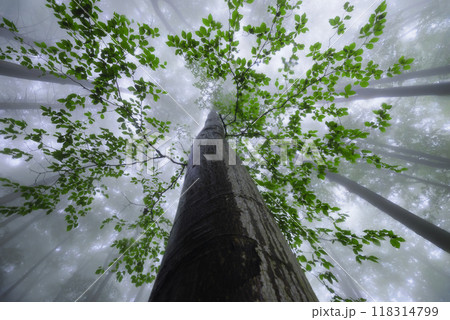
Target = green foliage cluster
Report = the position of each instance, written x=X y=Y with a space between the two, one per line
x=104 y=51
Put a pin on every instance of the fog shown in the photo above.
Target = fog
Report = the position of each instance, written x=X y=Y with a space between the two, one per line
x=41 y=261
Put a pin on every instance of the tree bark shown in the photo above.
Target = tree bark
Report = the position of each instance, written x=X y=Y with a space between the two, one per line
x=160 y=15
x=28 y=105
x=436 y=89
x=419 y=154
x=224 y=244
x=432 y=183
x=17 y=105
x=19 y=231
x=6 y=34
x=8 y=220
x=425 y=162
x=63 y=295
x=414 y=75
x=423 y=228
x=16 y=195
x=4 y=294
x=18 y=71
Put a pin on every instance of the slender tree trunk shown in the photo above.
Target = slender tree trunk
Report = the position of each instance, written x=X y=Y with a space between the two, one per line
x=18 y=71
x=4 y=294
x=180 y=15
x=224 y=244
x=17 y=105
x=63 y=294
x=425 y=162
x=15 y=195
x=142 y=293
x=28 y=105
x=414 y=75
x=8 y=220
x=95 y=291
x=412 y=152
x=433 y=183
x=6 y=34
x=96 y=294
x=19 y=231
x=9 y=197
x=436 y=89
x=423 y=228
x=160 y=15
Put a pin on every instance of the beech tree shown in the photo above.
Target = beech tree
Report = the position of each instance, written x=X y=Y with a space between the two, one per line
x=224 y=245
x=437 y=89
x=429 y=231
x=259 y=112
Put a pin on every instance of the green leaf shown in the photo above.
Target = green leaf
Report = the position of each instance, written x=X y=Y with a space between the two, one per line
x=364 y=84
x=394 y=242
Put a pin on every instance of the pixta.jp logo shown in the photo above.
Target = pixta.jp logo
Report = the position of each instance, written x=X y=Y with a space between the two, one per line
x=305 y=151
x=149 y=151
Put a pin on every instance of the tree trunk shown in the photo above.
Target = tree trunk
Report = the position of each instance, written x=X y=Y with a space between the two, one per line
x=95 y=292
x=6 y=34
x=423 y=228
x=411 y=152
x=180 y=15
x=17 y=105
x=425 y=162
x=432 y=183
x=18 y=71
x=436 y=89
x=224 y=244
x=414 y=75
x=160 y=15
x=16 y=195
x=63 y=295
x=28 y=105
x=19 y=230
x=4 y=294
x=8 y=220
x=142 y=293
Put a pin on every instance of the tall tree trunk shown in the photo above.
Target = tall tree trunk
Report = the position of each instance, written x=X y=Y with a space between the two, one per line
x=180 y=15
x=95 y=291
x=142 y=293
x=425 y=162
x=160 y=15
x=8 y=220
x=63 y=294
x=6 y=34
x=436 y=89
x=224 y=244
x=96 y=295
x=414 y=75
x=19 y=231
x=4 y=294
x=28 y=105
x=18 y=71
x=17 y=105
x=15 y=195
x=423 y=228
x=411 y=152
x=7 y=198
x=432 y=183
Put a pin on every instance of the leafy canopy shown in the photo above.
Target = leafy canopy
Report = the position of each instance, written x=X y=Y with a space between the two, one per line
x=83 y=151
